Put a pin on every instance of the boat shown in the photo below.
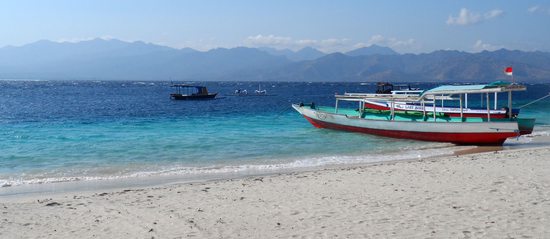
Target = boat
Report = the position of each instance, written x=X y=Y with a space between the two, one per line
x=191 y=92
x=426 y=126
x=389 y=88
x=442 y=108
x=241 y=92
x=258 y=92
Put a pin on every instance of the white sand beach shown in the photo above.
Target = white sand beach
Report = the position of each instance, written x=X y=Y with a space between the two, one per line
x=502 y=194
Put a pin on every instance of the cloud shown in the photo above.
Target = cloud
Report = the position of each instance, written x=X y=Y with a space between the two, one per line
x=334 y=43
x=305 y=42
x=327 y=45
x=467 y=17
x=268 y=40
x=493 y=13
x=281 y=42
x=79 y=39
x=533 y=9
x=377 y=39
x=400 y=45
x=391 y=41
x=539 y=9
x=479 y=45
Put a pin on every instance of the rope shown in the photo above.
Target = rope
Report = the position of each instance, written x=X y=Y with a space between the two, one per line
x=278 y=115
x=535 y=101
x=286 y=108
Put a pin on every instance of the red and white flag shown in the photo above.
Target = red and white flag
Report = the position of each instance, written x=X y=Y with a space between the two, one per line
x=508 y=70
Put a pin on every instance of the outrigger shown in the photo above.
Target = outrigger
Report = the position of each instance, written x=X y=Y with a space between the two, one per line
x=423 y=125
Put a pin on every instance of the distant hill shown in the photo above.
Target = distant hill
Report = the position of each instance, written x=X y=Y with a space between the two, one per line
x=119 y=60
x=114 y=59
x=276 y=52
x=436 y=66
x=304 y=54
x=372 y=50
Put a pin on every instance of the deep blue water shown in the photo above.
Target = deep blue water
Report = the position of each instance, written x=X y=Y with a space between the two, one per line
x=74 y=130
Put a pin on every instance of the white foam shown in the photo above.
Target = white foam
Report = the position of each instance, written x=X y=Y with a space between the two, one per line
x=528 y=138
x=242 y=169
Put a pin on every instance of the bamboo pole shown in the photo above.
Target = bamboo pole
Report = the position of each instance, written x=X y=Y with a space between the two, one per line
x=461 y=110
x=496 y=100
x=488 y=108
x=434 y=109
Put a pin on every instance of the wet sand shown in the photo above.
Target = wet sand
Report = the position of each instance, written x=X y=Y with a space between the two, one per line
x=478 y=149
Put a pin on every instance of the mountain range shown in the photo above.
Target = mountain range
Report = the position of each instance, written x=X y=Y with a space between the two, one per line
x=119 y=60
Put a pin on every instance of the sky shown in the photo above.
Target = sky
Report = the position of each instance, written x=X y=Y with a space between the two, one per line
x=406 y=26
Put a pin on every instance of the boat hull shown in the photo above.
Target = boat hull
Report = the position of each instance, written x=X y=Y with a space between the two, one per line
x=526 y=125
x=463 y=133
x=193 y=97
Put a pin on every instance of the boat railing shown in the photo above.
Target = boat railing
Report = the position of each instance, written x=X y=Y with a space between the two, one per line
x=364 y=96
x=438 y=94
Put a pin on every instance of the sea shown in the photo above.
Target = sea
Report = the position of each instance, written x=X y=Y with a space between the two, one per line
x=58 y=132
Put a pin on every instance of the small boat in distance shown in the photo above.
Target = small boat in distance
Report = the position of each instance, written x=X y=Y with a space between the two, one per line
x=191 y=92
x=389 y=88
x=240 y=92
x=258 y=92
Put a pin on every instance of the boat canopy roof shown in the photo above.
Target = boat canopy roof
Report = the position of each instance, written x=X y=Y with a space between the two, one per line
x=441 y=92
x=497 y=86
x=188 y=86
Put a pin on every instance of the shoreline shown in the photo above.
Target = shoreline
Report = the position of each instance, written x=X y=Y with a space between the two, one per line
x=228 y=172
x=110 y=184
x=492 y=194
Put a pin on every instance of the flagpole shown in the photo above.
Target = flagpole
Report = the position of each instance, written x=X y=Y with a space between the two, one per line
x=508 y=70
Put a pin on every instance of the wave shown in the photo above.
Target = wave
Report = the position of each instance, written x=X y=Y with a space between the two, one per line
x=226 y=171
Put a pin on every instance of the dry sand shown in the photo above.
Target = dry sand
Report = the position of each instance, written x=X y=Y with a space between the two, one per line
x=490 y=195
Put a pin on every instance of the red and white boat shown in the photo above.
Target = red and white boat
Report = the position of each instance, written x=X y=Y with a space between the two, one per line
x=428 y=126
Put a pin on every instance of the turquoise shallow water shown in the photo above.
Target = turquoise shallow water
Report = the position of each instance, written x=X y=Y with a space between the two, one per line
x=39 y=152
x=67 y=131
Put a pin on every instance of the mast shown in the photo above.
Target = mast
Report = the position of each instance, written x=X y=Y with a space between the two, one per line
x=509 y=71
x=509 y=104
